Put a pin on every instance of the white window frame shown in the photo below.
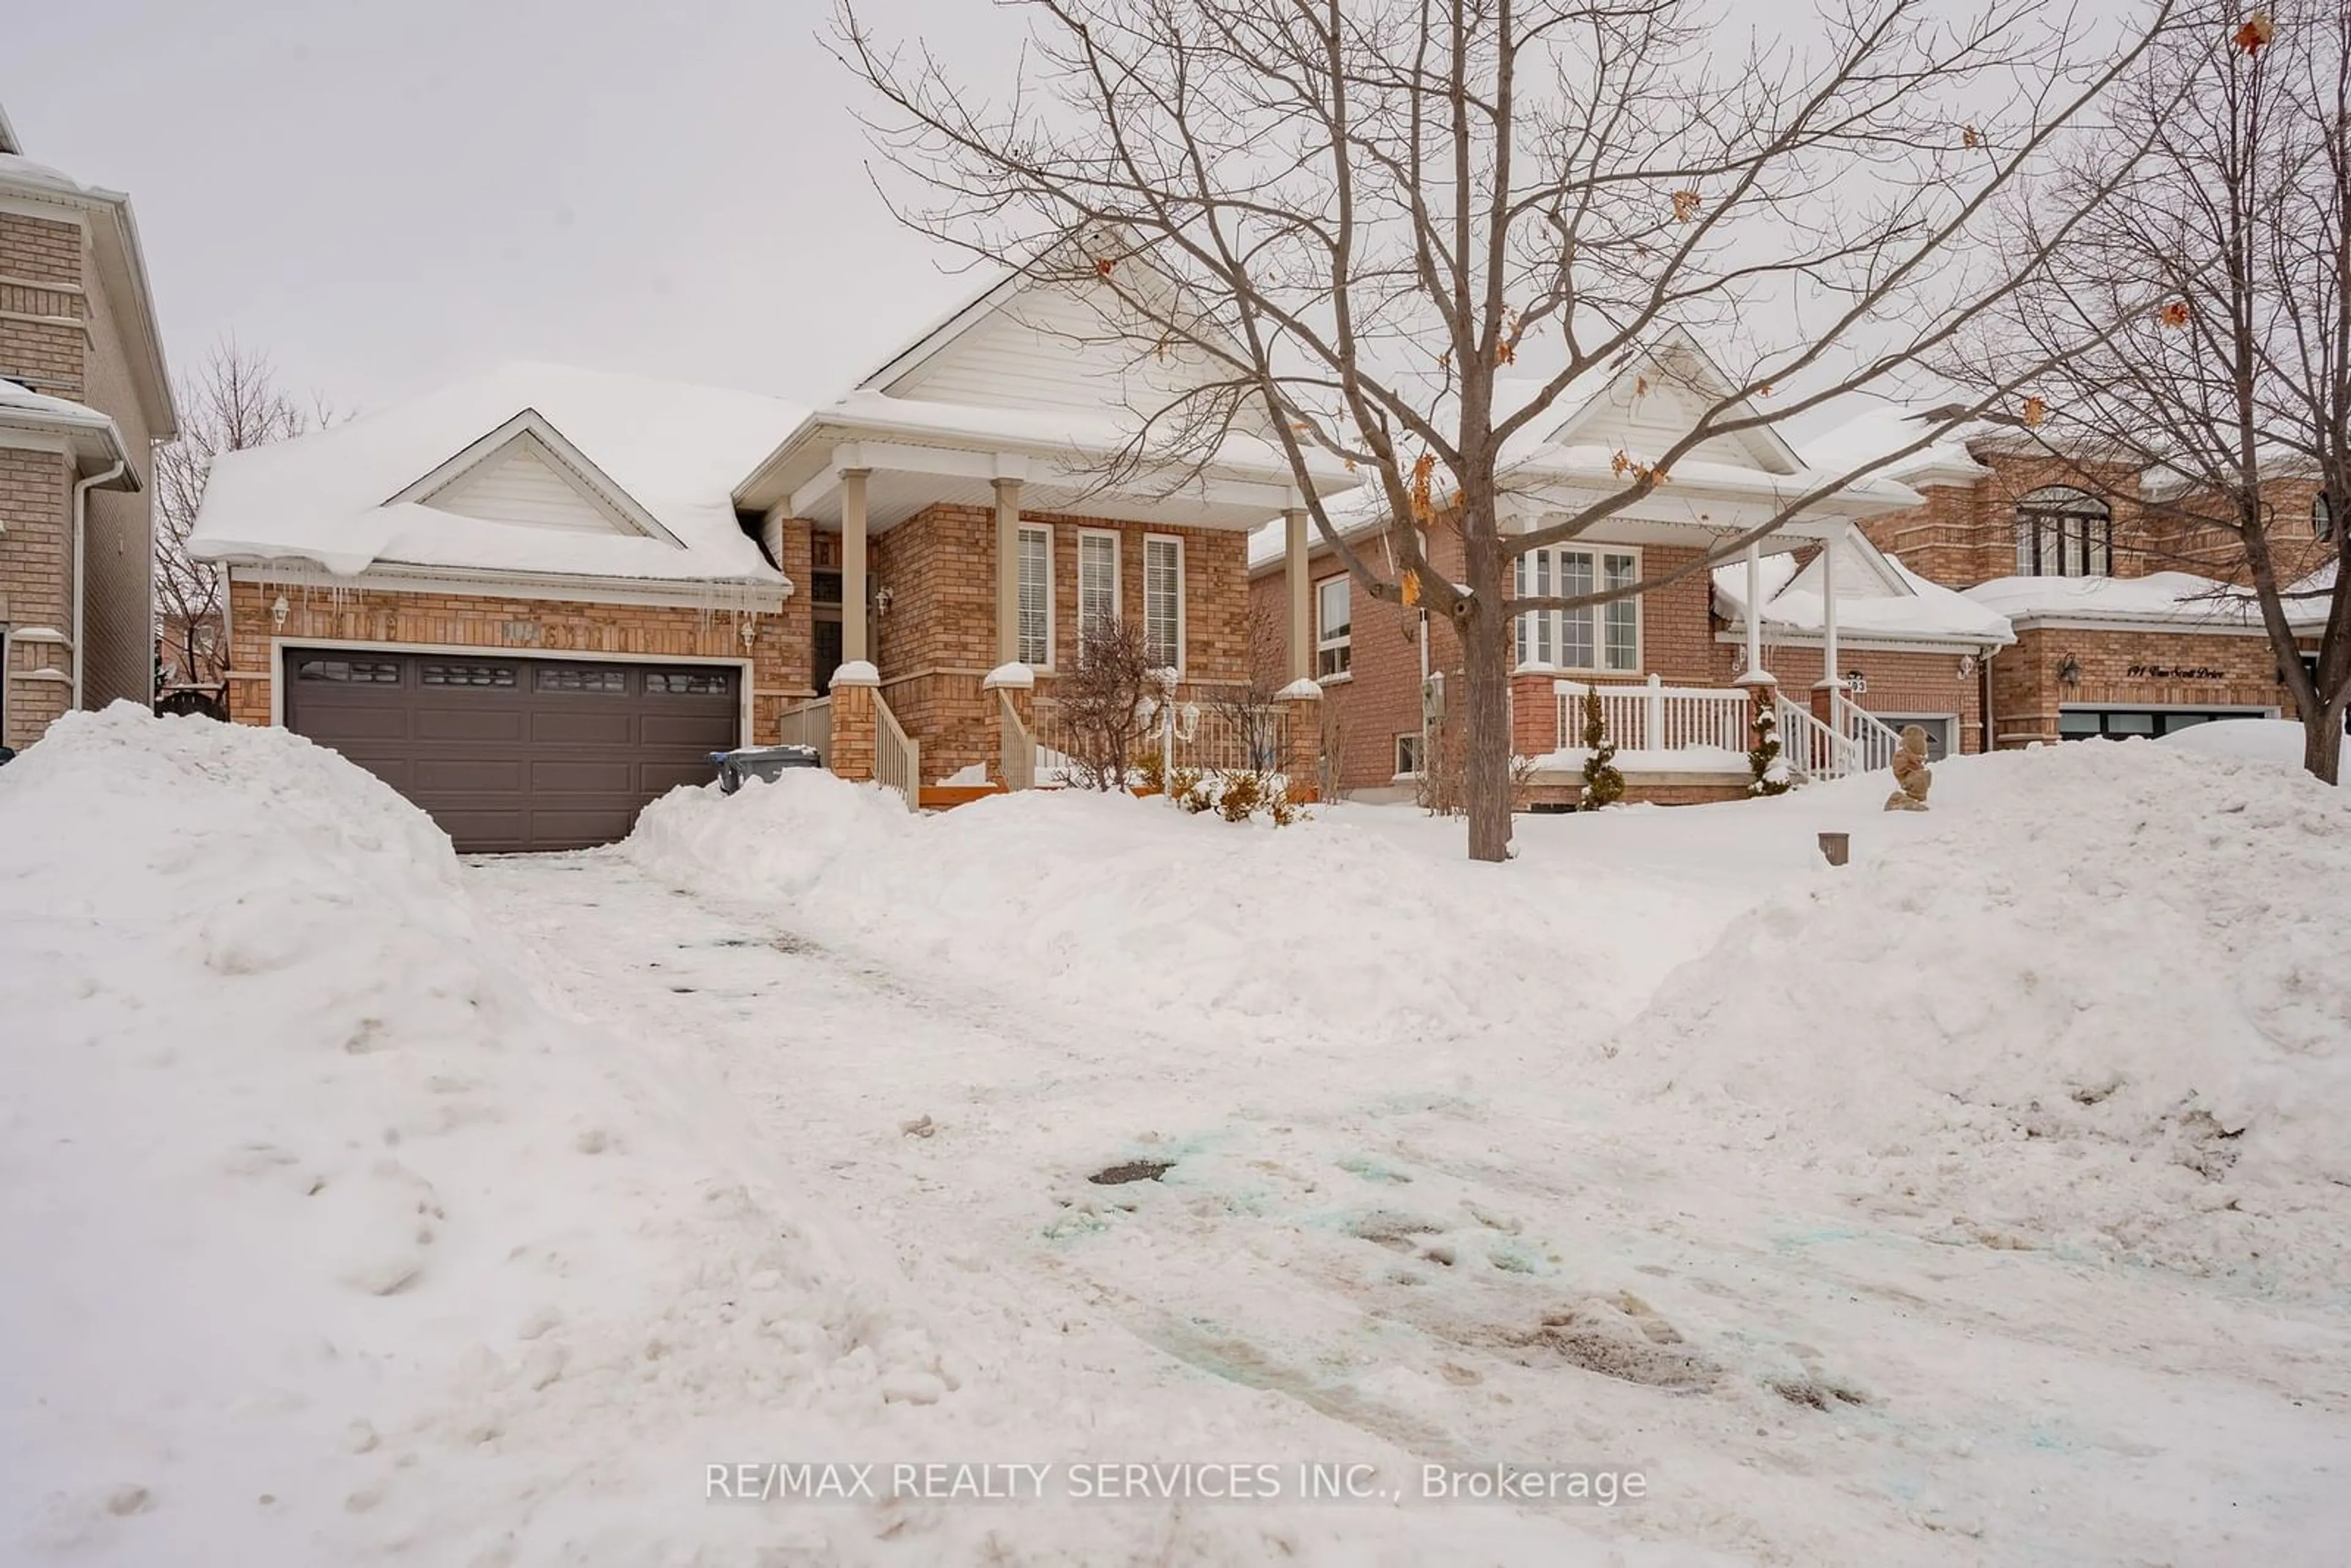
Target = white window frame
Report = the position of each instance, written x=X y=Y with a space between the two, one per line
x=1345 y=641
x=1045 y=533
x=1415 y=739
x=1539 y=636
x=1117 y=565
x=1149 y=540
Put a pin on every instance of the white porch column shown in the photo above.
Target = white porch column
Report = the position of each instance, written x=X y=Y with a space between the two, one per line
x=1753 y=674
x=1829 y=679
x=1295 y=566
x=854 y=648
x=1008 y=571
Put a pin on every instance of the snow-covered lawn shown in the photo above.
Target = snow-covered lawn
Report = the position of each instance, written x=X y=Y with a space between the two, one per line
x=1981 y=1201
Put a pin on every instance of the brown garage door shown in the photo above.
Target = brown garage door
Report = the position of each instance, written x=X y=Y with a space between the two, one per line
x=517 y=754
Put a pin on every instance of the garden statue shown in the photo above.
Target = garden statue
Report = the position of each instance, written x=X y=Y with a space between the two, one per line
x=1912 y=776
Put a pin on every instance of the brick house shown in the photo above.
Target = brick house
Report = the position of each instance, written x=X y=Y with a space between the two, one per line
x=537 y=598
x=2127 y=622
x=84 y=396
x=1678 y=667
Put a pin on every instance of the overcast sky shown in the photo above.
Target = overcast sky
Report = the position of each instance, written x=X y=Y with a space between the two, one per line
x=383 y=195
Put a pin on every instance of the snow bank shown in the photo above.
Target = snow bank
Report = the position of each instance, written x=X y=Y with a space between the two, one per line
x=2101 y=1006
x=1324 y=928
x=2275 y=740
x=324 y=1233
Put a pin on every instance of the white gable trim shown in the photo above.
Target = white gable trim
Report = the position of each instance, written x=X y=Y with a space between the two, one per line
x=1709 y=381
x=548 y=444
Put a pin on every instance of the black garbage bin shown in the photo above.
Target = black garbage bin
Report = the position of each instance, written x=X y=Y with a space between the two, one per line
x=766 y=762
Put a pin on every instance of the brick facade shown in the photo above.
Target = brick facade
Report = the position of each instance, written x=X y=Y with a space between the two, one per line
x=2127 y=669
x=523 y=627
x=935 y=645
x=43 y=304
x=36 y=588
x=60 y=334
x=937 y=641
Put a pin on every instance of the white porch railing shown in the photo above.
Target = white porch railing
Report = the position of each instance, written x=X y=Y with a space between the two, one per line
x=1018 y=752
x=897 y=759
x=810 y=725
x=1655 y=716
x=1875 y=741
x=1810 y=748
x=1206 y=729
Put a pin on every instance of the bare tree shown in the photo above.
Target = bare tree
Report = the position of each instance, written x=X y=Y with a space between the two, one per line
x=1357 y=215
x=232 y=401
x=2224 y=268
x=1101 y=705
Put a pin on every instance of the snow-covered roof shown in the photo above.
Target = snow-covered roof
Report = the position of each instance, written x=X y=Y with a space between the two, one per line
x=1871 y=437
x=1877 y=597
x=633 y=450
x=8 y=143
x=2179 y=598
x=97 y=440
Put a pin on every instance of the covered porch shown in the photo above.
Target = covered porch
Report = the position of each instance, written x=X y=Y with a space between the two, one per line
x=978 y=558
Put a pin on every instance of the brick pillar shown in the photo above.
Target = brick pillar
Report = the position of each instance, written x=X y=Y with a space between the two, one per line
x=1017 y=683
x=853 y=720
x=1534 y=714
x=1302 y=739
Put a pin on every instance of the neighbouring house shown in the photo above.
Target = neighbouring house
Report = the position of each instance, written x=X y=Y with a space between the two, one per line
x=2125 y=622
x=536 y=599
x=1676 y=667
x=84 y=397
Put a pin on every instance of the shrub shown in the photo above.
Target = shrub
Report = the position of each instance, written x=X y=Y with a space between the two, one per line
x=1239 y=796
x=1603 y=784
x=1763 y=760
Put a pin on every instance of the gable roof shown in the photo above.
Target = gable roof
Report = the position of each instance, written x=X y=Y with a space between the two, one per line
x=8 y=143
x=529 y=439
x=1619 y=407
x=656 y=457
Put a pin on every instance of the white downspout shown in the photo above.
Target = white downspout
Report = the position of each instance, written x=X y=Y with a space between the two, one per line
x=82 y=487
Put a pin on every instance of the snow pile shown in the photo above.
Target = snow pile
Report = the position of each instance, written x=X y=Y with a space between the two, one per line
x=2275 y=740
x=325 y=1234
x=1324 y=928
x=2102 y=1006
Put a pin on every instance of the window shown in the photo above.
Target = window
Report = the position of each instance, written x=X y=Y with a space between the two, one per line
x=1407 y=754
x=2121 y=724
x=1036 y=596
x=824 y=587
x=1097 y=581
x=1603 y=637
x=688 y=683
x=350 y=672
x=1162 y=601
x=2321 y=517
x=1333 y=638
x=501 y=676
x=2064 y=532
x=557 y=680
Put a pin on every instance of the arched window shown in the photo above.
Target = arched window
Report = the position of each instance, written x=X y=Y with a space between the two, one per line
x=2064 y=532
x=2321 y=517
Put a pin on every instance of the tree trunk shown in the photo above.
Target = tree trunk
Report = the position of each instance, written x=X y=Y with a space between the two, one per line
x=2322 y=745
x=1486 y=730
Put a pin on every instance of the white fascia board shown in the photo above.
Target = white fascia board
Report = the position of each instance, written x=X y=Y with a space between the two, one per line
x=393 y=576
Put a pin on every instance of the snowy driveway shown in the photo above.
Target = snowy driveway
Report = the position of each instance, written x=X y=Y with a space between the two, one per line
x=1439 y=1258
